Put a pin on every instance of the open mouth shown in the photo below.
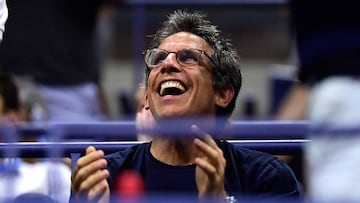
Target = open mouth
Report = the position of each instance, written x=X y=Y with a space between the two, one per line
x=171 y=88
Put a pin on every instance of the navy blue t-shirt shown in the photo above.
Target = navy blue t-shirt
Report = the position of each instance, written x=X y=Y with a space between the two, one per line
x=161 y=177
x=248 y=173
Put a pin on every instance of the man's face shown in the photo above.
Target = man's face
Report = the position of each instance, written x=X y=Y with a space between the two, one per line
x=176 y=90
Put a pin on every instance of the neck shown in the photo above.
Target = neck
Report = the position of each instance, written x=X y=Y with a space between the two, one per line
x=173 y=151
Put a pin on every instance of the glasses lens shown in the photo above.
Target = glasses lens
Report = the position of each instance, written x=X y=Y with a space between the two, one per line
x=188 y=57
x=185 y=57
x=155 y=57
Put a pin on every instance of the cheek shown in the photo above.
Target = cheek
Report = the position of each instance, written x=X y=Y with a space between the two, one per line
x=151 y=77
x=150 y=82
x=205 y=90
x=206 y=82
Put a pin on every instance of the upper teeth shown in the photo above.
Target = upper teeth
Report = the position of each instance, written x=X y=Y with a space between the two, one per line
x=171 y=84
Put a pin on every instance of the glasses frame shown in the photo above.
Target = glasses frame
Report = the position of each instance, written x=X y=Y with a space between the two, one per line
x=199 y=51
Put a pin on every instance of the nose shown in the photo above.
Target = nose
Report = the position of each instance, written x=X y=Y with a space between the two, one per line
x=170 y=64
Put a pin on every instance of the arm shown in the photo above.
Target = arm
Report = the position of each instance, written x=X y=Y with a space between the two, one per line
x=276 y=180
x=88 y=182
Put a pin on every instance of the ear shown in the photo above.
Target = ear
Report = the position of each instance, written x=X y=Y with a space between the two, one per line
x=146 y=106
x=224 y=96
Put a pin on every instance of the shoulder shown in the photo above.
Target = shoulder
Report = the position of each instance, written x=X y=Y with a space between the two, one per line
x=253 y=160
x=245 y=155
x=262 y=172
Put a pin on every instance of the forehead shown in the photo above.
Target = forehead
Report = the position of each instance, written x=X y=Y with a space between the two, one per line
x=183 y=40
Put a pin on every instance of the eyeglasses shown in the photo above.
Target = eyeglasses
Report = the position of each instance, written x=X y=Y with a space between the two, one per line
x=185 y=57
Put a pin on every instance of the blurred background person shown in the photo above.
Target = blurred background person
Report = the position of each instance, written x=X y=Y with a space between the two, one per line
x=295 y=104
x=293 y=107
x=3 y=17
x=144 y=118
x=19 y=176
x=50 y=46
x=328 y=41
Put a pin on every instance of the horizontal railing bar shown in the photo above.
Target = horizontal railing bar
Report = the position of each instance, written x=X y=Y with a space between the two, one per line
x=64 y=149
x=127 y=129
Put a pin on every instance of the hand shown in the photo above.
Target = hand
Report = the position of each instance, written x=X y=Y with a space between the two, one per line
x=89 y=177
x=210 y=166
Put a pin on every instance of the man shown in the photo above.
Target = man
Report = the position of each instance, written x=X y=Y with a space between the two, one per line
x=328 y=43
x=27 y=176
x=144 y=119
x=3 y=17
x=191 y=71
x=55 y=62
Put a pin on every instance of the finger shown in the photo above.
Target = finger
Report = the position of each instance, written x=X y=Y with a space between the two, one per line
x=87 y=171
x=214 y=156
x=90 y=149
x=215 y=173
x=206 y=149
x=209 y=169
x=86 y=166
x=96 y=195
x=204 y=136
x=94 y=184
x=78 y=166
x=90 y=157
